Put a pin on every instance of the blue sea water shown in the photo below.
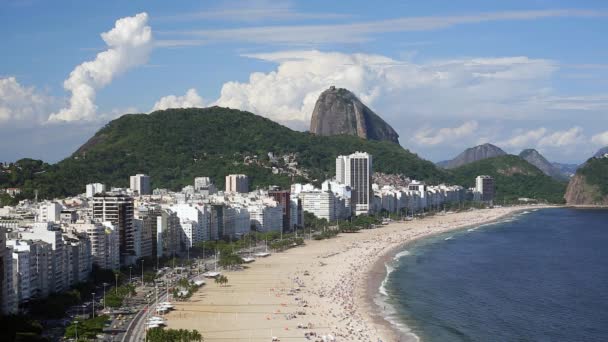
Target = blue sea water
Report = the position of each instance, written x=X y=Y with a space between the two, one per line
x=541 y=276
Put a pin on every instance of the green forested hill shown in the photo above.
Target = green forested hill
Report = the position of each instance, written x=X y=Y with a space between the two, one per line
x=176 y=145
x=514 y=178
x=589 y=186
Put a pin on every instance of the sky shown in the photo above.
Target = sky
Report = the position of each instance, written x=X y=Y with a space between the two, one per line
x=446 y=75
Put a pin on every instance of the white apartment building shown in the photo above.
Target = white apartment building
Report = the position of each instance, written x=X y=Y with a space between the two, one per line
x=22 y=270
x=49 y=212
x=204 y=186
x=266 y=217
x=48 y=233
x=77 y=258
x=95 y=188
x=7 y=294
x=320 y=203
x=193 y=221
x=140 y=184
x=104 y=243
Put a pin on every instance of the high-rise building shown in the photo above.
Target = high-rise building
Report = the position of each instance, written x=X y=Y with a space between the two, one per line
x=283 y=198
x=484 y=185
x=104 y=243
x=140 y=183
x=51 y=234
x=168 y=234
x=148 y=215
x=322 y=204
x=4 y=286
x=118 y=209
x=237 y=183
x=204 y=186
x=95 y=188
x=49 y=212
x=355 y=170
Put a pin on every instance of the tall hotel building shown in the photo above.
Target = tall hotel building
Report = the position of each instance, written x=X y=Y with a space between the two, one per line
x=237 y=183
x=140 y=183
x=355 y=170
x=118 y=209
x=485 y=186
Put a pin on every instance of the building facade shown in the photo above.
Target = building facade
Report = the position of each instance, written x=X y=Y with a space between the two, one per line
x=140 y=184
x=118 y=209
x=237 y=183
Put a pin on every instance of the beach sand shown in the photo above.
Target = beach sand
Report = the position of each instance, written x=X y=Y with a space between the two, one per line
x=328 y=286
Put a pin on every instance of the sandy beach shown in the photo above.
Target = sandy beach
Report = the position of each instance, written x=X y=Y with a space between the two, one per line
x=324 y=288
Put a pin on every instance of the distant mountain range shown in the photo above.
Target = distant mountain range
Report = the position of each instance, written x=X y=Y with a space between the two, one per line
x=557 y=171
x=175 y=145
x=473 y=154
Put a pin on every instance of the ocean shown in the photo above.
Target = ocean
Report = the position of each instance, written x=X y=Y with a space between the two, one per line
x=538 y=276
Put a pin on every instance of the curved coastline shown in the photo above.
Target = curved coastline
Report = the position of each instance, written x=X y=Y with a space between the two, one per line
x=377 y=310
x=337 y=279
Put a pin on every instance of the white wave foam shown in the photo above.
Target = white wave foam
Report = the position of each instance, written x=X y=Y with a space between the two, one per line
x=389 y=270
x=400 y=255
x=449 y=238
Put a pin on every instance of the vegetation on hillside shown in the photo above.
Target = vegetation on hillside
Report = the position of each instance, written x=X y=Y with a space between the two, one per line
x=595 y=171
x=176 y=145
x=514 y=178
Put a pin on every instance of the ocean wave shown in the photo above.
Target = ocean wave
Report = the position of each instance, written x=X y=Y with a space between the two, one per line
x=389 y=269
x=400 y=255
x=449 y=238
x=391 y=315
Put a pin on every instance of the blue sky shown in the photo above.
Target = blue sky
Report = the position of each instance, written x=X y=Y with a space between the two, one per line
x=445 y=74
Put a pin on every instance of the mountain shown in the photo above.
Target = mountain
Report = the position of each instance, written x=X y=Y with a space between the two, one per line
x=589 y=186
x=567 y=169
x=601 y=152
x=338 y=111
x=473 y=154
x=533 y=157
x=514 y=178
x=176 y=145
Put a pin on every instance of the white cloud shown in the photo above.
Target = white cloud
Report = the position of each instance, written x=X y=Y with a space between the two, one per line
x=567 y=138
x=129 y=45
x=253 y=11
x=431 y=136
x=600 y=139
x=525 y=139
x=363 y=31
x=467 y=88
x=24 y=104
x=189 y=100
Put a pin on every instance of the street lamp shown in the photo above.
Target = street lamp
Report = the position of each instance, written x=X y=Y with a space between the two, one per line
x=93 y=294
x=130 y=267
x=142 y=272
x=104 y=295
x=116 y=287
x=76 y=323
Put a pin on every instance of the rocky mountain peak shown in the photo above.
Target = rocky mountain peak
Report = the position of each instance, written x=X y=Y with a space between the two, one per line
x=339 y=111
x=474 y=154
x=534 y=157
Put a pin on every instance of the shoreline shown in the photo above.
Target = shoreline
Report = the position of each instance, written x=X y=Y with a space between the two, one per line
x=377 y=274
x=329 y=285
